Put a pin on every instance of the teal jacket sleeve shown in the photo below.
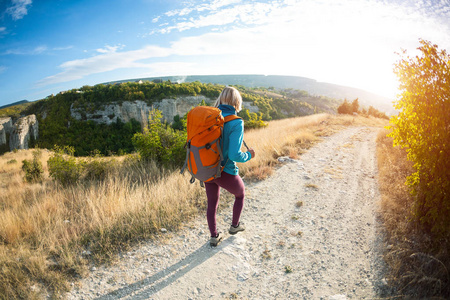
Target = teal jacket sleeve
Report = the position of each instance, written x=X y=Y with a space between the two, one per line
x=236 y=137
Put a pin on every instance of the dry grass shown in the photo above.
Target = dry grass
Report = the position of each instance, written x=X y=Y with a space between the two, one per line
x=44 y=228
x=419 y=266
x=49 y=233
x=285 y=137
x=291 y=137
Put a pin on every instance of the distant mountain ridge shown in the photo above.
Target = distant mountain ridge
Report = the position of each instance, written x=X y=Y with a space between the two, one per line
x=312 y=86
x=13 y=104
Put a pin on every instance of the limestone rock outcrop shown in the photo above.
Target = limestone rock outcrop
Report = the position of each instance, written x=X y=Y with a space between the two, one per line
x=6 y=126
x=139 y=110
x=23 y=130
x=2 y=135
x=250 y=106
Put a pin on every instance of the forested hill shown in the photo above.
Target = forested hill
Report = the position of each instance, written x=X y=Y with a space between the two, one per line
x=14 y=104
x=58 y=126
x=279 y=82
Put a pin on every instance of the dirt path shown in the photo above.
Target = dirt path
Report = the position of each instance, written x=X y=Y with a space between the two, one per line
x=312 y=233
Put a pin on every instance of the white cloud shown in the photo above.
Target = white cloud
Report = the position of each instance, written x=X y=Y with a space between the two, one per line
x=179 y=12
x=2 y=69
x=110 y=49
x=35 y=51
x=2 y=29
x=18 y=9
x=62 y=48
x=76 y=69
x=255 y=13
x=215 y=5
x=39 y=49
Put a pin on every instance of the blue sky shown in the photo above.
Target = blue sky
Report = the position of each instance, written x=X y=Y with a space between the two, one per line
x=48 y=46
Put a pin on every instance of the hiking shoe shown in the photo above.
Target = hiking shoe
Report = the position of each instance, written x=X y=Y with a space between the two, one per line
x=234 y=230
x=215 y=240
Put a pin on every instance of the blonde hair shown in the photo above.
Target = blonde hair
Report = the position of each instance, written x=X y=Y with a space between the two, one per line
x=230 y=96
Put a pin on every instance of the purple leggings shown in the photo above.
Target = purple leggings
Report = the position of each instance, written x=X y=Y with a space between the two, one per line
x=234 y=185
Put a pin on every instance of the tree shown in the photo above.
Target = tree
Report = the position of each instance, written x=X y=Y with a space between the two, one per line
x=355 y=106
x=345 y=108
x=423 y=128
x=160 y=142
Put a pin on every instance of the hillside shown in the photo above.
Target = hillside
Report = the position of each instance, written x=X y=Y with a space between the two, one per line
x=13 y=104
x=106 y=116
x=313 y=87
x=14 y=109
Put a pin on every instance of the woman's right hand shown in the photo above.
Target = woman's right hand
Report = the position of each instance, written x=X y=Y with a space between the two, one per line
x=252 y=152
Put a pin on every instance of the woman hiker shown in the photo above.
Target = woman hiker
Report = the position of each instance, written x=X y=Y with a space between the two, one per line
x=229 y=102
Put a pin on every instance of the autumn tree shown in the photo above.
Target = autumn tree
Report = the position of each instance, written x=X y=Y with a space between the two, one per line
x=355 y=106
x=345 y=108
x=423 y=128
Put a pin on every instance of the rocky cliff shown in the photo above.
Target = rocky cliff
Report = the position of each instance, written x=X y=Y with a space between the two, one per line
x=23 y=130
x=2 y=135
x=6 y=126
x=139 y=110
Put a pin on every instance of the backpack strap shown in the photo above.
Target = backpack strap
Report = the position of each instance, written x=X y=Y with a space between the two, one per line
x=187 y=145
x=231 y=118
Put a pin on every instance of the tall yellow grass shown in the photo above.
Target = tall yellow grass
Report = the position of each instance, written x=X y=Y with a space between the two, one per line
x=291 y=137
x=287 y=137
x=45 y=228
x=51 y=225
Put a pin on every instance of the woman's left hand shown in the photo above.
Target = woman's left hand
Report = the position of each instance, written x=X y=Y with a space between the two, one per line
x=252 y=152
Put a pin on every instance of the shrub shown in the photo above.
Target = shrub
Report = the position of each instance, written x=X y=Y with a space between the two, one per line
x=422 y=127
x=345 y=108
x=97 y=168
x=63 y=167
x=351 y=108
x=376 y=113
x=179 y=123
x=33 y=168
x=252 y=120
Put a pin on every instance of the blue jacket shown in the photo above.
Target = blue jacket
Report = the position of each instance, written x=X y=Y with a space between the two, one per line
x=233 y=135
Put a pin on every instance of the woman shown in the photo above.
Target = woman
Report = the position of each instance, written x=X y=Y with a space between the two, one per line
x=229 y=102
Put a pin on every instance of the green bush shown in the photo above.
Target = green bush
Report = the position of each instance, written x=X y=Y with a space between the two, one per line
x=96 y=167
x=252 y=120
x=63 y=167
x=160 y=142
x=179 y=123
x=422 y=127
x=33 y=168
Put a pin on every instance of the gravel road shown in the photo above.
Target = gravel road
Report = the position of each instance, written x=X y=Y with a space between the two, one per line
x=312 y=233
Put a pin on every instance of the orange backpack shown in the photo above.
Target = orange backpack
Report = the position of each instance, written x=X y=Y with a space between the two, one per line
x=204 y=147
